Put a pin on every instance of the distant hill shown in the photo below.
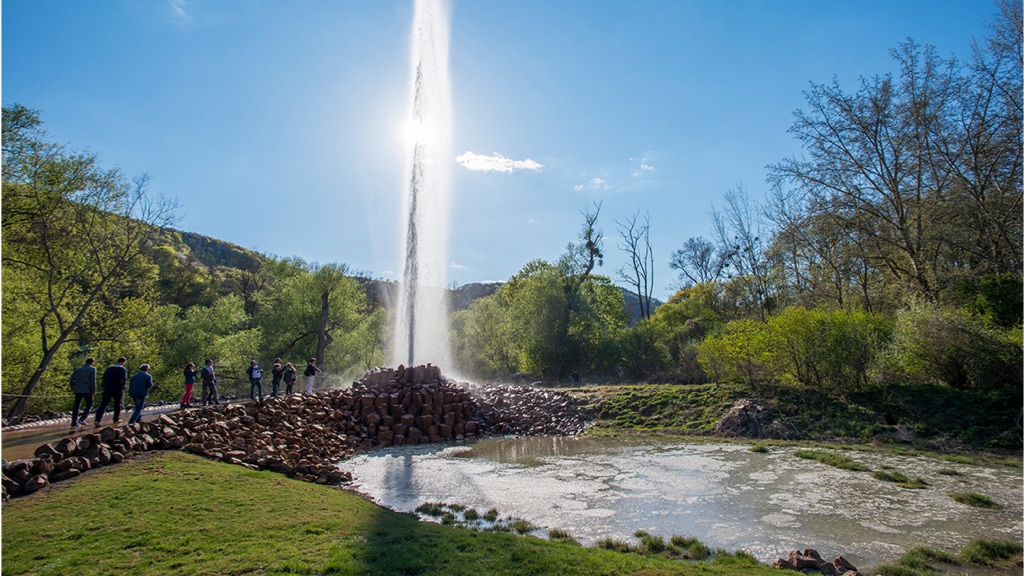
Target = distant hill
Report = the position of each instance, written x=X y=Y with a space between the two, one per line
x=219 y=254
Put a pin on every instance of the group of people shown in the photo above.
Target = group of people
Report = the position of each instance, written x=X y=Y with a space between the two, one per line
x=208 y=377
x=114 y=380
x=279 y=373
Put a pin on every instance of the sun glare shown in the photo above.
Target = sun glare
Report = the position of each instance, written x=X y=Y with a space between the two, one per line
x=419 y=132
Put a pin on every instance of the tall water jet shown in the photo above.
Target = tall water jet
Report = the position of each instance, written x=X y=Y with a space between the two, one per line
x=421 y=319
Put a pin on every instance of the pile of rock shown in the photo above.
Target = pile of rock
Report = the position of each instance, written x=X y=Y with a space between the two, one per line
x=752 y=419
x=304 y=436
x=528 y=411
x=412 y=405
x=809 y=559
x=71 y=456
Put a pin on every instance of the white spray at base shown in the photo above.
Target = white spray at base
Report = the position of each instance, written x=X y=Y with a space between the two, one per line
x=421 y=318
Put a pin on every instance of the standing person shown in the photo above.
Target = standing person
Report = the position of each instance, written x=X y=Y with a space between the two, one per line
x=277 y=372
x=114 y=379
x=310 y=374
x=138 y=389
x=289 y=378
x=190 y=382
x=83 y=384
x=255 y=379
x=209 y=377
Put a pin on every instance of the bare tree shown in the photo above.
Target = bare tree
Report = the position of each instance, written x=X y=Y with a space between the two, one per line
x=742 y=242
x=636 y=242
x=698 y=261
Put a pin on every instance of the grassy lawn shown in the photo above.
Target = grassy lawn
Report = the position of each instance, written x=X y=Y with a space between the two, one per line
x=174 y=513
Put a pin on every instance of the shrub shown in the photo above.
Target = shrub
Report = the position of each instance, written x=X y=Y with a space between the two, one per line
x=832 y=348
x=953 y=347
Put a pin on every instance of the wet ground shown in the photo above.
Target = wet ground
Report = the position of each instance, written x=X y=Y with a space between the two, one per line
x=21 y=441
x=723 y=494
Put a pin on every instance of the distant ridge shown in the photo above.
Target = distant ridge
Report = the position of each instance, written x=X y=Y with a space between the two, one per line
x=214 y=253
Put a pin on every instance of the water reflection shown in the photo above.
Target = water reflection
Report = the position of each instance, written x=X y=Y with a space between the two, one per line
x=725 y=495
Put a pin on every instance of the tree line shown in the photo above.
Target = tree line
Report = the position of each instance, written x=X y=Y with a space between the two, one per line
x=890 y=251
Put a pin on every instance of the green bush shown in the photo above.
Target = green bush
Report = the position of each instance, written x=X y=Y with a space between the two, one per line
x=820 y=348
x=953 y=347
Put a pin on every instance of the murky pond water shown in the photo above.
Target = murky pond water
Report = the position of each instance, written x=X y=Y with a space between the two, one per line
x=723 y=494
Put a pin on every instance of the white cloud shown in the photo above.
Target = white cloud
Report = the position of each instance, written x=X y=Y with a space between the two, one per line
x=495 y=163
x=644 y=166
x=592 y=184
x=178 y=7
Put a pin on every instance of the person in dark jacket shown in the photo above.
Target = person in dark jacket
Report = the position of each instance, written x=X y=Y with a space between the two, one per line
x=83 y=384
x=209 y=377
x=289 y=378
x=138 y=389
x=276 y=372
x=310 y=374
x=114 y=379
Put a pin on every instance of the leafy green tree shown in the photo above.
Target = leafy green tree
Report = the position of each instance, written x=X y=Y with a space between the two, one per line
x=219 y=332
x=482 y=346
x=321 y=311
x=73 y=232
x=537 y=318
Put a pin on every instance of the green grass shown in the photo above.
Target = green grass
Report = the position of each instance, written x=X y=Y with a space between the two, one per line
x=759 y=448
x=842 y=416
x=887 y=476
x=836 y=460
x=992 y=552
x=975 y=499
x=979 y=556
x=174 y=513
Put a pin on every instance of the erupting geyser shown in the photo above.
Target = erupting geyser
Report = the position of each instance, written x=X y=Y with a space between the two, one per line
x=421 y=318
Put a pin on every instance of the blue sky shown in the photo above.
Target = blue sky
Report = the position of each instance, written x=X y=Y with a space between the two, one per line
x=278 y=125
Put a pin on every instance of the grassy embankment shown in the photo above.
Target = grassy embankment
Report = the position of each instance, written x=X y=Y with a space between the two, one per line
x=174 y=513
x=941 y=418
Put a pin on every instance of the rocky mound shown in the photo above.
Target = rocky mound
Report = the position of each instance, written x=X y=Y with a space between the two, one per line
x=304 y=436
x=752 y=419
x=810 y=560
